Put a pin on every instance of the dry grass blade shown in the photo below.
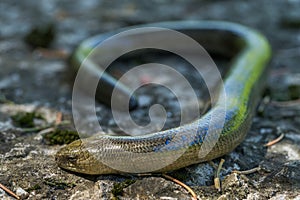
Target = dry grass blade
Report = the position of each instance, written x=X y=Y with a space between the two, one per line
x=250 y=171
x=8 y=191
x=275 y=141
x=217 y=181
x=194 y=196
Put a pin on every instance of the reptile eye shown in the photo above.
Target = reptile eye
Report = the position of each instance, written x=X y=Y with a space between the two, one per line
x=72 y=158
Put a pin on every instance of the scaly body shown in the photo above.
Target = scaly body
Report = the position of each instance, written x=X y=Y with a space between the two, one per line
x=182 y=146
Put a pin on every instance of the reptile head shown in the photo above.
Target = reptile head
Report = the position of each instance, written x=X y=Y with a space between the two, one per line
x=75 y=157
x=71 y=157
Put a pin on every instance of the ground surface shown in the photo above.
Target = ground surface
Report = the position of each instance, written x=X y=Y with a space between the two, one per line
x=32 y=77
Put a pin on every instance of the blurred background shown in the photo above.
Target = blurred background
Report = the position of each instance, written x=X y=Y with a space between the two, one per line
x=28 y=27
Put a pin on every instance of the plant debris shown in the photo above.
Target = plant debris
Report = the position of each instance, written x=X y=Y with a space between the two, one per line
x=60 y=137
x=25 y=119
x=41 y=36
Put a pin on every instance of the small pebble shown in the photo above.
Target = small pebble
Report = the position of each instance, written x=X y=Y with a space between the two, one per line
x=21 y=193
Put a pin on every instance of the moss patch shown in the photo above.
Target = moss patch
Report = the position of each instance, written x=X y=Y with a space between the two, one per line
x=41 y=36
x=118 y=187
x=25 y=119
x=60 y=137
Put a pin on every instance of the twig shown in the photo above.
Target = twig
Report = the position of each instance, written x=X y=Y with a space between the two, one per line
x=57 y=54
x=58 y=119
x=286 y=103
x=194 y=196
x=8 y=191
x=217 y=181
x=35 y=129
x=47 y=130
x=250 y=171
x=275 y=141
